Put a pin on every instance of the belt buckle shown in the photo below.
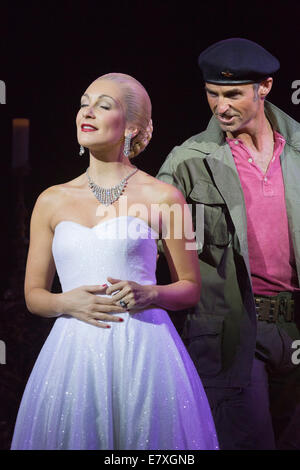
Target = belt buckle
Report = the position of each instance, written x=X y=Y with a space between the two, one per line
x=262 y=309
x=267 y=309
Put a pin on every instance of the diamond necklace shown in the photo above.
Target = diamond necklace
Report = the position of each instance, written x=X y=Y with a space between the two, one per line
x=108 y=196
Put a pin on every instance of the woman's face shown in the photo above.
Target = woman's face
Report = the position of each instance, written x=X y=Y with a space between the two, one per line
x=101 y=118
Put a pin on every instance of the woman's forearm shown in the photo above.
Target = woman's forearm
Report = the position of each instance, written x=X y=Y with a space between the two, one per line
x=44 y=303
x=176 y=296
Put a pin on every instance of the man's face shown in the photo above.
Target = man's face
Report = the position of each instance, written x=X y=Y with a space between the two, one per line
x=235 y=106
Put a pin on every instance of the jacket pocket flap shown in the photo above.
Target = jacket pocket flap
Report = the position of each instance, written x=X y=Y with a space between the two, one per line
x=206 y=193
x=200 y=326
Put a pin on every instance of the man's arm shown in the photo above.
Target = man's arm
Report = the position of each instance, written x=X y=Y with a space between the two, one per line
x=167 y=172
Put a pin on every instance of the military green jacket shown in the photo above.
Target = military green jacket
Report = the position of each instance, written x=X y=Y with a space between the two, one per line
x=220 y=332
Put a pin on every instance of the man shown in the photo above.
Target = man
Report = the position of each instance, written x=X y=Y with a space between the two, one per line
x=244 y=170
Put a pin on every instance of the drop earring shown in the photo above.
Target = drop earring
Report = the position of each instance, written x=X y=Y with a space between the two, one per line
x=81 y=151
x=126 y=150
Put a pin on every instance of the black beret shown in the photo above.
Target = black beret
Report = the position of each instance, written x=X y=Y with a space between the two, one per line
x=236 y=61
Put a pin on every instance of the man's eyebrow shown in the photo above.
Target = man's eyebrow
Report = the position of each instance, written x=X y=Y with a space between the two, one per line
x=233 y=91
x=100 y=96
x=208 y=89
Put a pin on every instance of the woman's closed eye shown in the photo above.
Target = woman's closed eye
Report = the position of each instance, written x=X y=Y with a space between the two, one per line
x=101 y=106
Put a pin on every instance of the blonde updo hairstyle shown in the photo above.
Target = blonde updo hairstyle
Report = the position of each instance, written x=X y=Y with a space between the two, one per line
x=138 y=109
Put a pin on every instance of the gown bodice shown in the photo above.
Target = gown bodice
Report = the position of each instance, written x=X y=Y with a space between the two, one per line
x=122 y=247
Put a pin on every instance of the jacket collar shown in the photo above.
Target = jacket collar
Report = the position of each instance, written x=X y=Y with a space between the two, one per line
x=284 y=124
x=213 y=137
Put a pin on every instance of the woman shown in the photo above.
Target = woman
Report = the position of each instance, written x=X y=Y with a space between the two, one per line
x=113 y=373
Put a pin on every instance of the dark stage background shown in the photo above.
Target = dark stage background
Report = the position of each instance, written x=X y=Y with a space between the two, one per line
x=50 y=52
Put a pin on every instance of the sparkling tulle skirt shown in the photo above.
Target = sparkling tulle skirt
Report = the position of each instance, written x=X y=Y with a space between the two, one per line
x=132 y=386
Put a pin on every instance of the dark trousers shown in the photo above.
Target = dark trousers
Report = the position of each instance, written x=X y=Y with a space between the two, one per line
x=266 y=414
x=284 y=383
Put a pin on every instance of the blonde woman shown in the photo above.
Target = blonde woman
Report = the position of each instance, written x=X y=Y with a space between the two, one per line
x=113 y=373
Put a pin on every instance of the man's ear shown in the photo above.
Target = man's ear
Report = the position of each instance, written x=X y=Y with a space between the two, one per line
x=265 y=87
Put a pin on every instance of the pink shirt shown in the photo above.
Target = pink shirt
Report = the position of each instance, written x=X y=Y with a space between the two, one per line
x=271 y=254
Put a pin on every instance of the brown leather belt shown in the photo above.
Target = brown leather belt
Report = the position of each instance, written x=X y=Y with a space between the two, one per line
x=270 y=307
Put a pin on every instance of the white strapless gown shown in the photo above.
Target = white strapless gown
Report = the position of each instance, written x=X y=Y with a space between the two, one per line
x=132 y=386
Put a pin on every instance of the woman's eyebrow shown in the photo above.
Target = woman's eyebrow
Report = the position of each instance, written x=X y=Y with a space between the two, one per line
x=101 y=96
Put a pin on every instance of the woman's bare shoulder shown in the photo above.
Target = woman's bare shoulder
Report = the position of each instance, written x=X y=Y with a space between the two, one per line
x=160 y=191
x=54 y=195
